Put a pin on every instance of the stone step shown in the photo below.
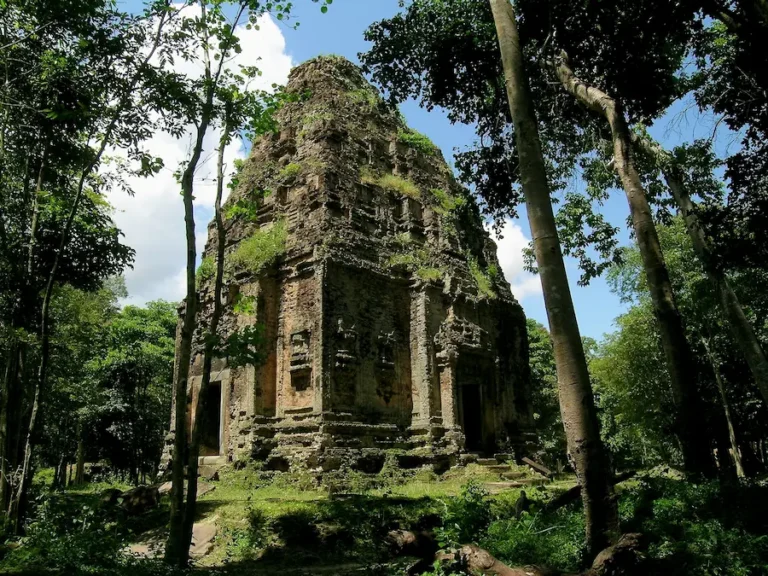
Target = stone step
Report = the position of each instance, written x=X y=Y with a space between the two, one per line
x=498 y=487
x=513 y=475
x=499 y=468
x=487 y=461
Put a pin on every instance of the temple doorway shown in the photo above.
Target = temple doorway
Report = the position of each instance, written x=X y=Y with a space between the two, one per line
x=471 y=417
x=211 y=432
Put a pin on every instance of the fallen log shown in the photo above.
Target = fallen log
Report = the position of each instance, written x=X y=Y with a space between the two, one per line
x=572 y=494
x=540 y=468
x=622 y=559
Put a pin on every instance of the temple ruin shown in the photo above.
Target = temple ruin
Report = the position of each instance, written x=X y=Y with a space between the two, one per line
x=388 y=325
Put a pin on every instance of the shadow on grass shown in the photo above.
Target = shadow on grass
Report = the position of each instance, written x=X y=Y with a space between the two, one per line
x=343 y=533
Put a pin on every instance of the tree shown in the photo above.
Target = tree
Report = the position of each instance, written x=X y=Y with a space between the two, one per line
x=692 y=168
x=630 y=377
x=84 y=84
x=546 y=410
x=576 y=403
x=445 y=54
x=210 y=37
x=682 y=372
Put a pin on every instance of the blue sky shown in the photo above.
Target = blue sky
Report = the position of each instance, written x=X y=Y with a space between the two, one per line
x=340 y=31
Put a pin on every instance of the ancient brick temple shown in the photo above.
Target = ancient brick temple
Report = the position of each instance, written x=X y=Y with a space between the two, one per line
x=389 y=327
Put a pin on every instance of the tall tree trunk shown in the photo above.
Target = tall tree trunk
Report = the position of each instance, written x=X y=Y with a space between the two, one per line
x=213 y=328
x=731 y=308
x=177 y=547
x=735 y=454
x=585 y=448
x=80 y=456
x=176 y=551
x=689 y=425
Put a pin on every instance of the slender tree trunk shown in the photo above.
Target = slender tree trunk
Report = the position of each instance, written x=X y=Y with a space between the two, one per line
x=735 y=454
x=177 y=548
x=7 y=428
x=176 y=552
x=689 y=425
x=740 y=327
x=80 y=457
x=585 y=448
x=202 y=397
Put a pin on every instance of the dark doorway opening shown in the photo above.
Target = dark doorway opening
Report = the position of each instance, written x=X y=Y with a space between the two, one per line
x=211 y=432
x=471 y=417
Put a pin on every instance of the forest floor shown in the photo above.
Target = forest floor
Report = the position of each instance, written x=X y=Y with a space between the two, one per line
x=264 y=523
x=292 y=523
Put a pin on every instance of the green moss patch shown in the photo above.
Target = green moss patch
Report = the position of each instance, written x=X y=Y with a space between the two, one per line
x=261 y=249
x=417 y=141
x=418 y=260
x=484 y=279
x=399 y=185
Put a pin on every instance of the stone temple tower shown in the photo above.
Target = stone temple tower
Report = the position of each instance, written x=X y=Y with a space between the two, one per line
x=388 y=326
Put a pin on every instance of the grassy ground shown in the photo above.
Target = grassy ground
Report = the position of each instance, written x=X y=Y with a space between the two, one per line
x=272 y=523
x=291 y=521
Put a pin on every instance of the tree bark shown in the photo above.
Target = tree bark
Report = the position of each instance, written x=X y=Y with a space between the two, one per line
x=689 y=425
x=174 y=549
x=585 y=448
x=731 y=308
x=80 y=457
x=210 y=339
x=735 y=454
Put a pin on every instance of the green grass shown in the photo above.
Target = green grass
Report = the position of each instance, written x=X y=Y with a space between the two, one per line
x=483 y=278
x=446 y=203
x=390 y=182
x=288 y=173
x=399 y=185
x=272 y=523
x=416 y=259
x=206 y=270
x=261 y=249
x=417 y=141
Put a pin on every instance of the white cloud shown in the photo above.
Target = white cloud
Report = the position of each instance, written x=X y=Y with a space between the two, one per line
x=153 y=218
x=510 y=253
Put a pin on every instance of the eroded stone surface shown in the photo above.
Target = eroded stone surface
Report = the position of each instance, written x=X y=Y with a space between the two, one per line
x=389 y=326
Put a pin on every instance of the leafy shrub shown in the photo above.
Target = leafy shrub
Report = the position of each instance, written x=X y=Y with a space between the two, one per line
x=555 y=540
x=246 y=207
x=246 y=543
x=289 y=173
x=466 y=517
x=483 y=280
x=78 y=536
x=417 y=141
x=701 y=529
x=261 y=249
x=206 y=270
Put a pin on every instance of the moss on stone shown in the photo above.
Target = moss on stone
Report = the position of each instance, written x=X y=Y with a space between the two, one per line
x=261 y=249
x=417 y=141
x=288 y=173
x=399 y=185
x=483 y=279
x=206 y=270
x=418 y=260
